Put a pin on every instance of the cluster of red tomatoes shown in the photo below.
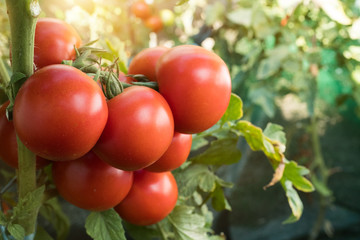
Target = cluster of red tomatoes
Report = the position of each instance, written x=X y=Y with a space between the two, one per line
x=116 y=152
x=155 y=22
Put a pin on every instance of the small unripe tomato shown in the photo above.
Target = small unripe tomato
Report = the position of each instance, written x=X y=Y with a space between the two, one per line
x=167 y=17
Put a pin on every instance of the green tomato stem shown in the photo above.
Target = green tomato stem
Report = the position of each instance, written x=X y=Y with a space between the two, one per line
x=22 y=17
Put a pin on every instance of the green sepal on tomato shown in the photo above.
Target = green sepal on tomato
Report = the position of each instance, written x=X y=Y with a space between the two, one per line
x=90 y=183
x=151 y=198
x=197 y=85
x=59 y=113
x=8 y=142
x=138 y=131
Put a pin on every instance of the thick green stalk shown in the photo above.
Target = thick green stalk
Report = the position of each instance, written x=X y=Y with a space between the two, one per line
x=22 y=17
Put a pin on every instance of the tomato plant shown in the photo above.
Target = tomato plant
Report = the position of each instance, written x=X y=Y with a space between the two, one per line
x=90 y=183
x=139 y=116
x=145 y=62
x=54 y=41
x=8 y=143
x=141 y=9
x=60 y=113
x=199 y=95
x=151 y=198
x=175 y=155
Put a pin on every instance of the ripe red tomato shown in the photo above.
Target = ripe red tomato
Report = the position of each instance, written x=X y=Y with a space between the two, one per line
x=8 y=143
x=197 y=85
x=54 y=42
x=141 y=9
x=90 y=183
x=151 y=198
x=154 y=23
x=145 y=62
x=123 y=78
x=175 y=155
x=138 y=131
x=60 y=113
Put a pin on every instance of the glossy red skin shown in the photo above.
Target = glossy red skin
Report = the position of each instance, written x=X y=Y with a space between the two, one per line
x=123 y=78
x=151 y=198
x=54 y=42
x=175 y=155
x=90 y=183
x=8 y=143
x=145 y=62
x=197 y=85
x=138 y=131
x=60 y=113
x=154 y=23
x=141 y=9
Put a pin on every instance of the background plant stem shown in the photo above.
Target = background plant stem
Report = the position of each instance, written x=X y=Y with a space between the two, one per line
x=22 y=17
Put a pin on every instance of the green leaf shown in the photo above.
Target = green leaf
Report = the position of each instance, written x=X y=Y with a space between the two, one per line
x=223 y=183
x=294 y=200
x=218 y=200
x=207 y=182
x=41 y=234
x=214 y=13
x=52 y=212
x=275 y=132
x=140 y=232
x=186 y=224
x=234 y=110
x=17 y=76
x=17 y=231
x=221 y=152
x=196 y=175
x=267 y=68
x=198 y=142
x=263 y=98
x=27 y=205
x=258 y=141
x=241 y=16
x=295 y=173
x=106 y=225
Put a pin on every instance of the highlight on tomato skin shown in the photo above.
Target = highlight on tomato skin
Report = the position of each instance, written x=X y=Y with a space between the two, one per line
x=8 y=142
x=59 y=113
x=54 y=42
x=90 y=183
x=175 y=155
x=151 y=198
